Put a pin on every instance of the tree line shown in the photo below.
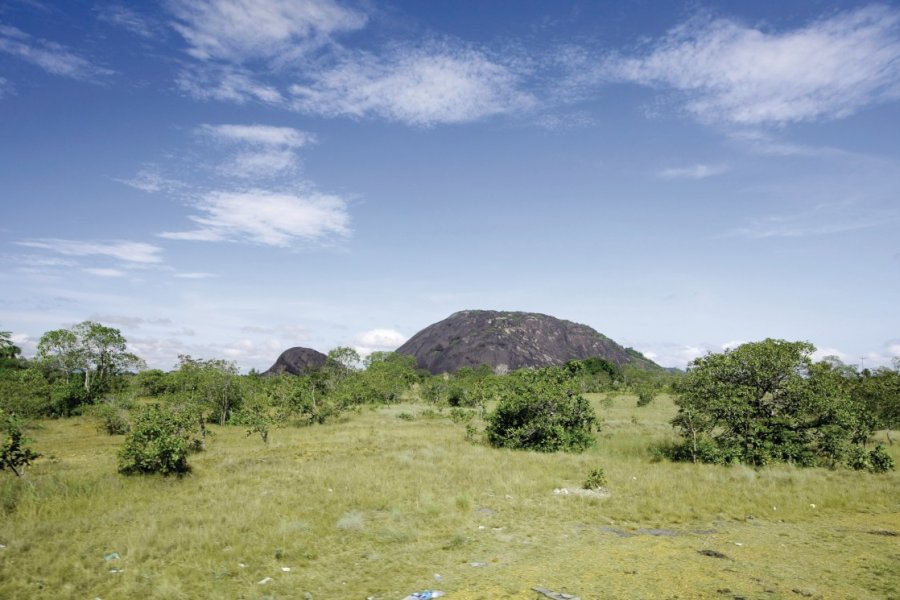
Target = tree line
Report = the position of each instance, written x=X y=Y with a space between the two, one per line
x=761 y=403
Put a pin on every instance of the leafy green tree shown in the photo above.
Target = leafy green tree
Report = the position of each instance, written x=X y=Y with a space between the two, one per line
x=14 y=451
x=212 y=385
x=767 y=402
x=541 y=410
x=9 y=352
x=96 y=351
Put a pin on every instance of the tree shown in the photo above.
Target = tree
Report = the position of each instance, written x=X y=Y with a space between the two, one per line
x=541 y=410
x=97 y=351
x=768 y=402
x=8 y=350
x=213 y=385
x=14 y=452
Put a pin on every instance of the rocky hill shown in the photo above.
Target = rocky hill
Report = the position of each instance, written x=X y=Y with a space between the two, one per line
x=512 y=340
x=297 y=361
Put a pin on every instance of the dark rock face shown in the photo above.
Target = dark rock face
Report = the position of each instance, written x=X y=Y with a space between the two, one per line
x=297 y=361
x=511 y=340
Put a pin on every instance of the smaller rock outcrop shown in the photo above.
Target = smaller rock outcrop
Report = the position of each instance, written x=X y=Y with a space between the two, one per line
x=297 y=361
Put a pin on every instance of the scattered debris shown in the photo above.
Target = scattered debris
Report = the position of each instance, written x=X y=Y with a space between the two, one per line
x=804 y=592
x=485 y=510
x=114 y=571
x=111 y=556
x=425 y=595
x=812 y=505
x=242 y=565
x=286 y=569
x=437 y=577
x=265 y=581
x=554 y=595
x=712 y=553
x=595 y=493
x=2 y=546
x=738 y=543
x=478 y=564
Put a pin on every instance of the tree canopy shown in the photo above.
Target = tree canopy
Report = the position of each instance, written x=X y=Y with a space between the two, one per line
x=768 y=402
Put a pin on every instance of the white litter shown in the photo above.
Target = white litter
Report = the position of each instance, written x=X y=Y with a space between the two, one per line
x=265 y=581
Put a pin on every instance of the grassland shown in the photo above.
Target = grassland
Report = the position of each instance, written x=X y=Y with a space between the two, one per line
x=378 y=506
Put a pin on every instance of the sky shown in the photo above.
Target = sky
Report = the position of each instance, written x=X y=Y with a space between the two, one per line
x=231 y=178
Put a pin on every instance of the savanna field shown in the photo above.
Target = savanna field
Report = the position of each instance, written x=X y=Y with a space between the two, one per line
x=392 y=500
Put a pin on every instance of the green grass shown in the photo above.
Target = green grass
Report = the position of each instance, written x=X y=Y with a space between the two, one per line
x=376 y=506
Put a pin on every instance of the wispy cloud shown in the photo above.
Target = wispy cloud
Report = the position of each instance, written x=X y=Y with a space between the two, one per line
x=262 y=150
x=226 y=84
x=731 y=73
x=129 y=19
x=695 y=172
x=424 y=86
x=50 y=56
x=131 y=252
x=149 y=179
x=269 y=218
x=824 y=219
x=241 y=30
x=6 y=88
x=104 y=272
x=194 y=275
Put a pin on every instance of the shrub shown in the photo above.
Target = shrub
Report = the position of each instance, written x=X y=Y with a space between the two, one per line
x=159 y=441
x=595 y=479
x=539 y=412
x=14 y=453
x=646 y=394
x=112 y=421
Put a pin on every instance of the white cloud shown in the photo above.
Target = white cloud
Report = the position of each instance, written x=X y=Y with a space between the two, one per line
x=265 y=150
x=150 y=180
x=732 y=73
x=669 y=354
x=226 y=83
x=694 y=172
x=241 y=30
x=261 y=135
x=129 y=19
x=418 y=86
x=194 y=275
x=732 y=344
x=133 y=252
x=102 y=272
x=376 y=340
x=50 y=56
x=265 y=217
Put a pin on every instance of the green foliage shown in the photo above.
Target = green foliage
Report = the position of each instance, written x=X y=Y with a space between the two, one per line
x=646 y=392
x=95 y=352
x=258 y=415
x=14 y=451
x=151 y=382
x=766 y=402
x=159 y=442
x=112 y=419
x=211 y=386
x=539 y=410
x=596 y=479
x=594 y=374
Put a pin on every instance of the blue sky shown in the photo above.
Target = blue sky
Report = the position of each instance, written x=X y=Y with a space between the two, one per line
x=230 y=178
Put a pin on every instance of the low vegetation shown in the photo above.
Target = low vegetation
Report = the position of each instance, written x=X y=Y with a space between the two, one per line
x=372 y=479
